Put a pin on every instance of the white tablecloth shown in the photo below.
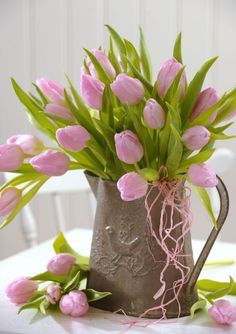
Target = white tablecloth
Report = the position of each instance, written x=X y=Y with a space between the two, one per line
x=33 y=261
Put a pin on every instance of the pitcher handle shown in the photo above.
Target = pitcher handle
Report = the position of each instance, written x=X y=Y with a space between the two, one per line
x=224 y=208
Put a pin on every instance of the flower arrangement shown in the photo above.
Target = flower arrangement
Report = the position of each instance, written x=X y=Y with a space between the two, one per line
x=123 y=127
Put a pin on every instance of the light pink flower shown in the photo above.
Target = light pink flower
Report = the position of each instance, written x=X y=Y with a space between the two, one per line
x=9 y=199
x=105 y=63
x=132 y=186
x=11 y=157
x=92 y=91
x=57 y=110
x=223 y=312
x=29 y=144
x=206 y=99
x=61 y=264
x=154 y=115
x=128 y=147
x=196 y=137
x=53 y=293
x=129 y=90
x=51 y=163
x=73 y=138
x=202 y=175
x=167 y=74
x=75 y=303
x=52 y=89
x=21 y=290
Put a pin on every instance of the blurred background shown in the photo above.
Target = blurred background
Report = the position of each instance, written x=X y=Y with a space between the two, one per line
x=45 y=38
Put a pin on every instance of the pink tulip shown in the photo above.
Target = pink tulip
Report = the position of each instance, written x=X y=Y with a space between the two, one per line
x=154 y=115
x=9 y=199
x=196 y=137
x=11 y=157
x=59 y=111
x=21 y=290
x=132 y=186
x=51 y=163
x=92 y=91
x=53 y=293
x=74 y=304
x=129 y=90
x=105 y=63
x=223 y=312
x=202 y=175
x=29 y=144
x=167 y=74
x=206 y=99
x=52 y=89
x=73 y=138
x=128 y=147
x=61 y=264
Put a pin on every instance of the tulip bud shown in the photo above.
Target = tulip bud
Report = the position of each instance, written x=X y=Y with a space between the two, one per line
x=75 y=303
x=129 y=90
x=21 y=290
x=202 y=175
x=154 y=115
x=92 y=91
x=167 y=74
x=128 y=147
x=51 y=163
x=206 y=99
x=105 y=63
x=196 y=137
x=29 y=144
x=53 y=293
x=132 y=186
x=9 y=199
x=223 y=312
x=73 y=138
x=61 y=264
x=11 y=157
x=52 y=89
x=59 y=111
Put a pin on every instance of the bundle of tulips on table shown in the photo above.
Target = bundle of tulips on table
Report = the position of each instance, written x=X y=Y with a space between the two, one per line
x=143 y=144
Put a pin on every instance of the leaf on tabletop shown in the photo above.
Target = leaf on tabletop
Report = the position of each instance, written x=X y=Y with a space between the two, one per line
x=32 y=305
x=61 y=245
x=43 y=306
x=217 y=286
x=199 y=305
x=94 y=295
x=47 y=277
x=73 y=282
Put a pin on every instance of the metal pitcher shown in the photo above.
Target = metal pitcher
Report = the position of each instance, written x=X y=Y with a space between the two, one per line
x=120 y=260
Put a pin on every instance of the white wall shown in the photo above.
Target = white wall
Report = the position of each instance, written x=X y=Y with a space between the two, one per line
x=44 y=38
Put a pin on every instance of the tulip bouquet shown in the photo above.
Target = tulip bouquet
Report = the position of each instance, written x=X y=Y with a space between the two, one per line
x=123 y=127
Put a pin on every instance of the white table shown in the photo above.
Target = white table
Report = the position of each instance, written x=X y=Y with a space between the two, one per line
x=33 y=261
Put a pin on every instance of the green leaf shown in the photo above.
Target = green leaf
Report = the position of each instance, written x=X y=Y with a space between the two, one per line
x=194 y=89
x=94 y=295
x=44 y=305
x=203 y=194
x=49 y=277
x=222 y=291
x=199 y=305
x=24 y=200
x=113 y=58
x=73 y=283
x=139 y=76
x=213 y=286
x=102 y=75
x=132 y=54
x=120 y=45
x=220 y=128
x=173 y=90
x=197 y=158
x=61 y=245
x=149 y=174
x=175 y=151
x=177 y=53
x=221 y=136
x=32 y=305
x=144 y=57
x=43 y=97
